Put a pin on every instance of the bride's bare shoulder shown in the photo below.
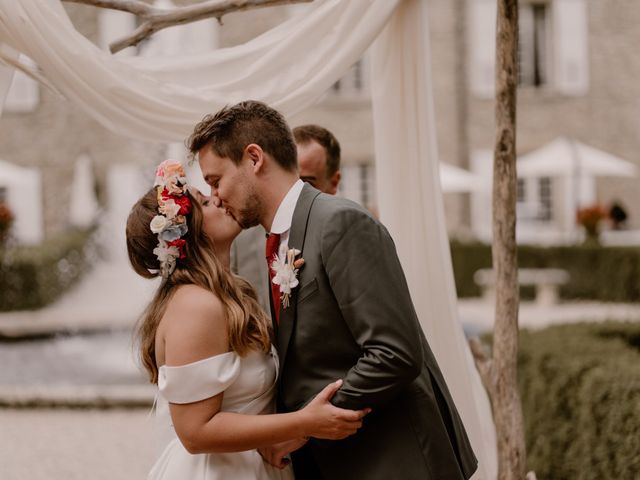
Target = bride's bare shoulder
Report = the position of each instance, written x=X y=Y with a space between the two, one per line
x=193 y=325
x=194 y=296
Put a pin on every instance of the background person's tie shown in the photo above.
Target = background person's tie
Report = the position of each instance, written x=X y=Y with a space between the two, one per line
x=273 y=244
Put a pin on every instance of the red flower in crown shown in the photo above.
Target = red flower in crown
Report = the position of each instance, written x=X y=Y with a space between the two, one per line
x=185 y=205
x=179 y=244
x=182 y=200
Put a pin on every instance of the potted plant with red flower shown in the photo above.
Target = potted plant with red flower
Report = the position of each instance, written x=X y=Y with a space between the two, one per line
x=6 y=221
x=590 y=218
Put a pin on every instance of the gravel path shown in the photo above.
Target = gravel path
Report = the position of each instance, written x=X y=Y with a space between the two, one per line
x=76 y=444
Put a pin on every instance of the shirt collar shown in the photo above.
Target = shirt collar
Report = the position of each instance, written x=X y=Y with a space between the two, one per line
x=284 y=214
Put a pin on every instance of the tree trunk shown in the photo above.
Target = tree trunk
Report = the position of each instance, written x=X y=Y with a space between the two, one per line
x=499 y=374
x=505 y=399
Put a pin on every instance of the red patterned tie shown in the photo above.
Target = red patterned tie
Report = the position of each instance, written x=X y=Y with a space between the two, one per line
x=273 y=244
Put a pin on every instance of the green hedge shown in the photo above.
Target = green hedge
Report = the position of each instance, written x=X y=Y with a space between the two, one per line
x=609 y=274
x=32 y=277
x=580 y=388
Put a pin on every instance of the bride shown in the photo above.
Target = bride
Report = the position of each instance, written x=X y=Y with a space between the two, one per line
x=205 y=342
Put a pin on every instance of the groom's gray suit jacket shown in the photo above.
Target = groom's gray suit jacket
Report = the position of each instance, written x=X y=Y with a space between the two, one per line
x=352 y=317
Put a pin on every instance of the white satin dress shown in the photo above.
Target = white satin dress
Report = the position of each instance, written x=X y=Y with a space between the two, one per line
x=248 y=384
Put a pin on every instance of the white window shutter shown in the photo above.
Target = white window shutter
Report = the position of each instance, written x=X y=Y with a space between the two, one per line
x=482 y=46
x=571 y=57
x=350 y=183
x=24 y=93
x=481 y=165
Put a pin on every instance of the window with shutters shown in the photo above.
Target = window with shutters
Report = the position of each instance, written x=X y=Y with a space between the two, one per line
x=533 y=45
x=545 y=211
x=24 y=93
x=355 y=82
x=553 y=46
x=358 y=184
x=534 y=199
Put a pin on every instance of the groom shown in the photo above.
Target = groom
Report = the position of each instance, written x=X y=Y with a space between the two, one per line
x=349 y=316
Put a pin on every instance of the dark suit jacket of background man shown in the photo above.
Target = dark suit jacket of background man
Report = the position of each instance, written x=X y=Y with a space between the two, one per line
x=249 y=261
x=352 y=317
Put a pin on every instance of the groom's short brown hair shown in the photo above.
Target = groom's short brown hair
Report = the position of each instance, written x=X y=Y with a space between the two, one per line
x=234 y=127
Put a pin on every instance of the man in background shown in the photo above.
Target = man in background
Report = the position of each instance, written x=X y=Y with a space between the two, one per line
x=318 y=165
x=318 y=157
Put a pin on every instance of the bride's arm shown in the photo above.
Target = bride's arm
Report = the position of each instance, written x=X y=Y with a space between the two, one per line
x=194 y=328
x=202 y=428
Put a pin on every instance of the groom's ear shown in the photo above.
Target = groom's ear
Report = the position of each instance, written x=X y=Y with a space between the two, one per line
x=256 y=156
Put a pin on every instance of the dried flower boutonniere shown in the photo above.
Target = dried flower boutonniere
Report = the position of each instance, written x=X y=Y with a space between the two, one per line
x=286 y=267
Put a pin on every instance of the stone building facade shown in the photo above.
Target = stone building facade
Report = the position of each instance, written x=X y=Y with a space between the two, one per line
x=52 y=134
x=578 y=80
x=580 y=73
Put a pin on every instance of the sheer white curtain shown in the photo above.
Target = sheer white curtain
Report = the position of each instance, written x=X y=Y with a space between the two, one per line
x=161 y=99
x=407 y=162
x=289 y=67
x=6 y=73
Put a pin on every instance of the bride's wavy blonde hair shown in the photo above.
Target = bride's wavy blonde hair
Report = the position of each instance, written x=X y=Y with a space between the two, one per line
x=248 y=324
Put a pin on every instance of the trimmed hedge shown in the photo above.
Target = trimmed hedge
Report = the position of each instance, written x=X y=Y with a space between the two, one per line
x=610 y=274
x=580 y=389
x=32 y=277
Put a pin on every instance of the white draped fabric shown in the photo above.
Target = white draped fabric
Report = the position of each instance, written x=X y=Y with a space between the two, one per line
x=407 y=162
x=161 y=100
x=289 y=67
x=6 y=73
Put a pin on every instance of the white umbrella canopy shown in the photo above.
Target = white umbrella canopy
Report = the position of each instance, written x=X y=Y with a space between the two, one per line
x=457 y=180
x=568 y=157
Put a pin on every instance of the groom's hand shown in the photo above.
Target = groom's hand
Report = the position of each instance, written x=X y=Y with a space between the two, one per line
x=275 y=454
x=326 y=421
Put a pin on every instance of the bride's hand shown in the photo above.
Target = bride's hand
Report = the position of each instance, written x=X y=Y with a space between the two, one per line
x=326 y=421
x=275 y=454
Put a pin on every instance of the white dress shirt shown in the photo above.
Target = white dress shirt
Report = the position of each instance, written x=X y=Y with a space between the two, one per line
x=284 y=215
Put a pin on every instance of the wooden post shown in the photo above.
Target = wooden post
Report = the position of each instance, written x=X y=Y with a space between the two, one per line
x=499 y=374
x=507 y=409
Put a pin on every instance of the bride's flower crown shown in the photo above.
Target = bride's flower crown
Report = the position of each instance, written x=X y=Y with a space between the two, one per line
x=171 y=223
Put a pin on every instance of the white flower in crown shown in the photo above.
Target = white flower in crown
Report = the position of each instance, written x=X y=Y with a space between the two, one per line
x=167 y=257
x=285 y=268
x=159 y=223
x=169 y=208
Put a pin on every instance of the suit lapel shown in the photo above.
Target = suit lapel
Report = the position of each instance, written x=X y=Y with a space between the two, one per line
x=288 y=316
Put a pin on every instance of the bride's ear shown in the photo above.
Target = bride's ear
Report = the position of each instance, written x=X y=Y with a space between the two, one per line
x=256 y=156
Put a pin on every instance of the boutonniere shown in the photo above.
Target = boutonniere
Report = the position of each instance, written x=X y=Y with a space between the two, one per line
x=285 y=266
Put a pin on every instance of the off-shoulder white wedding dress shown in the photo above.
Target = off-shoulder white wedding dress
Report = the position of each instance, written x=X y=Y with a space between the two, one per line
x=249 y=385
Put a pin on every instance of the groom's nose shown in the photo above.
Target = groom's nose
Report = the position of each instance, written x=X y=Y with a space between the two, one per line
x=216 y=200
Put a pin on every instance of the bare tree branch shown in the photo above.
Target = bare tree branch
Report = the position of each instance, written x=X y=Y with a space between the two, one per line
x=155 y=19
x=132 y=6
x=483 y=364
